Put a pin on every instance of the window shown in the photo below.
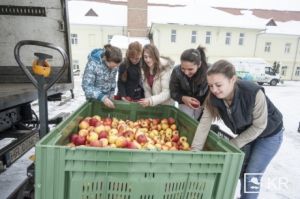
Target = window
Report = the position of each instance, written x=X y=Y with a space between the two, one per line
x=267 y=46
x=283 y=70
x=208 y=37
x=92 y=39
x=194 y=37
x=228 y=38
x=287 y=48
x=109 y=37
x=173 y=36
x=241 y=39
x=74 y=39
x=297 y=73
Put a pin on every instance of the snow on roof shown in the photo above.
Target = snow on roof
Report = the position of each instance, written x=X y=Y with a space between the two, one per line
x=123 y=41
x=289 y=28
x=194 y=13
x=108 y=14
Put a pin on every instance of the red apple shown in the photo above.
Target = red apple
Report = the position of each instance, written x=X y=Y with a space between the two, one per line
x=93 y=122
x=175 y=138
x=95 y=143
x=195 y=104
x=107 y=121
x=141 y=139
x=80 y=140
x=73 y=137
x=171 y=120
x=103 y=134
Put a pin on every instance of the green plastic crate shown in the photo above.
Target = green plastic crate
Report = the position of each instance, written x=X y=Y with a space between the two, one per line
x=102 y=173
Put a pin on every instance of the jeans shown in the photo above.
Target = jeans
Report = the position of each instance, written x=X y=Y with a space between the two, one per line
x=258 y=155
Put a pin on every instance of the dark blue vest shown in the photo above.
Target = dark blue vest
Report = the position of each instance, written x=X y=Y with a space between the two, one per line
x=242 y=107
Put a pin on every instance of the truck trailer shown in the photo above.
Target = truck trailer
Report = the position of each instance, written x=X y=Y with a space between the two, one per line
x=29 y=29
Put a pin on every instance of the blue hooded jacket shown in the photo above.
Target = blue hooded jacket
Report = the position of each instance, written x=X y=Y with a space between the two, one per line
x=99 y=81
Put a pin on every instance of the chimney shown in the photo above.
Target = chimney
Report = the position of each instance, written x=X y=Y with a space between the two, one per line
x=137 y=18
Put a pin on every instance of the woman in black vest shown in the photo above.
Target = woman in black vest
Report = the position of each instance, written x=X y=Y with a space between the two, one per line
x=248 y=112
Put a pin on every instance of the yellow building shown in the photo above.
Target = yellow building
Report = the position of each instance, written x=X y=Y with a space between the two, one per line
x=174 y=29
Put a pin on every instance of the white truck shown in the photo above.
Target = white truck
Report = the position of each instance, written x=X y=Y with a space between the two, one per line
x=255 y=69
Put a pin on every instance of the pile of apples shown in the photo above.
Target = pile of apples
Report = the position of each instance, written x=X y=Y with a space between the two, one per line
x=151 y=134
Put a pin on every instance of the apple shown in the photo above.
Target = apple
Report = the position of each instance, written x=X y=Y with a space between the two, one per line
x=98 y=123
x=107 y=128
x=103 y=142
x=173 y=127
x=112 y=139
x=70 y=144
x=195 y=104
x=141 y=139
x=185 y=146
x=107 y=121
x=155 y=121
x=97 y=117
x=92 y=136
x=103 y=134
x=113 y=132
x=129 y=134
x=83 y=132
x=99 y=128
x=171 y=120
x=164 y=126
x=121 y=142
x=175 y=138
x=84 y=124
x=93 y=121
x=73 y=137
x=80 y=140
x=182 y=139
x=164 y=121
x=133 y=145
x=95 y=143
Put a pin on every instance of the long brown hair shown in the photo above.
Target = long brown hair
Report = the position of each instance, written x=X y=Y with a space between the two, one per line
x=134 y=49
x=154 y=54
x=220 y=67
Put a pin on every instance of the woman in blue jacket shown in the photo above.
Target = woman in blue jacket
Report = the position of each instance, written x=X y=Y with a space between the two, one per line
x=99 y=78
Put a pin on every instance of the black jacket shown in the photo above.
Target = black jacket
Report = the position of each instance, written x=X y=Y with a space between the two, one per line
x=242 y=107
x=181 y=85
x=130 y=81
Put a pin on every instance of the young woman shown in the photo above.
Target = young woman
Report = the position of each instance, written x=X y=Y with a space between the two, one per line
x=99 y=78
x=156 y=76
x=188 y=85
x=248 y=112
x=130 y=79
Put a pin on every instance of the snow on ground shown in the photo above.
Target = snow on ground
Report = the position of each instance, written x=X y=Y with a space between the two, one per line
x=283 y=174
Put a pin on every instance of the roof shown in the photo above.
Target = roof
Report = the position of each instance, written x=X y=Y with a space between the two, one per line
x=195 y=13
x=277 y=15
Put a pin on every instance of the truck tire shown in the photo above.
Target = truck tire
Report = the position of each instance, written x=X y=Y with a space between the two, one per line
x=273 y=82
x=260 y=83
